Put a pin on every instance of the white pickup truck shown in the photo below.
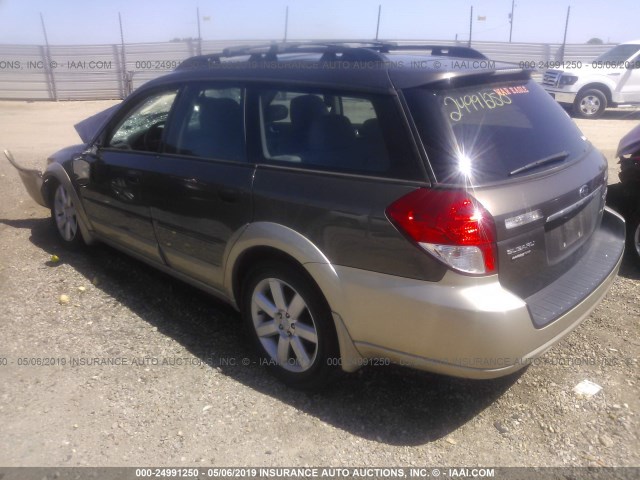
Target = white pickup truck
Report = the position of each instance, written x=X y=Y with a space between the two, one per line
x=611 y=80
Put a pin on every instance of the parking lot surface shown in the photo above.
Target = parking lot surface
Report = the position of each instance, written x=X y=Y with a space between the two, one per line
x=140 y=369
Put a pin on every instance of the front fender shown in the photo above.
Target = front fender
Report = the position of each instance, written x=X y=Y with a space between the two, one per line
x=37 y=184
x=597 y=80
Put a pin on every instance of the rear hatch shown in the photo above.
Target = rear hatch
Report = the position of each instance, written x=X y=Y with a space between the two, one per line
x=504 y=140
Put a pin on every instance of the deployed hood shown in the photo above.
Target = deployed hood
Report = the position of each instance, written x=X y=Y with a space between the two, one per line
x=89 y=127
x=630 y=143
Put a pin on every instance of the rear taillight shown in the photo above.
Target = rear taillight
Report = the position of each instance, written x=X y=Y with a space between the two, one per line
x=451 y=225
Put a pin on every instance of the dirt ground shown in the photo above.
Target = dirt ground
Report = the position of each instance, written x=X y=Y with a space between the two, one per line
x=186 y=390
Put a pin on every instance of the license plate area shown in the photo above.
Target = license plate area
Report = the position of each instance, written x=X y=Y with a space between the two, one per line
x=565 y=234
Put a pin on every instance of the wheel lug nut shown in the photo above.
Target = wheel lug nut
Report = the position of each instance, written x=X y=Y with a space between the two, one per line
x=288 y=316
x=280 y=327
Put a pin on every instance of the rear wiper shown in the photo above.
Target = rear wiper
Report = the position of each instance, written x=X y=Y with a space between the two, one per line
x=556 y=157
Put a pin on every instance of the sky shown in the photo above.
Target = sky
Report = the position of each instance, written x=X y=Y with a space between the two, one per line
x=73 y=22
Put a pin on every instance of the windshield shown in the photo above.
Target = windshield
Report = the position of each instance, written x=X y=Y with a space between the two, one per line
x=619 y=53
x=488 y=132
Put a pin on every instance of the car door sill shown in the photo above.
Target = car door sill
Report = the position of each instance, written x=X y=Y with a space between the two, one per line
x=220 y=295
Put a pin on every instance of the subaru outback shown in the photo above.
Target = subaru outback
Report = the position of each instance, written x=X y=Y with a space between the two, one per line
x=355 y=202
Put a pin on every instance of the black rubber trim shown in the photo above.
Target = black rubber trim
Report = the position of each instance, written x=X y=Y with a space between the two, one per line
x=553 y=301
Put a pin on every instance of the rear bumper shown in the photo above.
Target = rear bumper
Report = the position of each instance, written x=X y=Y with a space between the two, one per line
x=461 y=326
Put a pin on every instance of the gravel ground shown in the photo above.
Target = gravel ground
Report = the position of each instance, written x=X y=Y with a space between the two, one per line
x=187 y=390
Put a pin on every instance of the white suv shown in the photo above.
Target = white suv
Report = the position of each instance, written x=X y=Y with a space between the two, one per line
x=610 y=80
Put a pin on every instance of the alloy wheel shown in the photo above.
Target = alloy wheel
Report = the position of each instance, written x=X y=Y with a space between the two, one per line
x=65 y=214
x=590 y=105
x=284 y=325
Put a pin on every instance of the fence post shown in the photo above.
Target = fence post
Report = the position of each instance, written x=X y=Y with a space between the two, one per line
x=48 y=74
x=564 y=40
x=48 y=64
x=199 y=34
x=546 y=51
x=129 y=80
x=123 y=61
x=470 y=26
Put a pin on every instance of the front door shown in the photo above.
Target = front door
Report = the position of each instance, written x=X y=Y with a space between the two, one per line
x=630 y=82
x=114 y=192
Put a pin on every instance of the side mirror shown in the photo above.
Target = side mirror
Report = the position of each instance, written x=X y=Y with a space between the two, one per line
x=81 y=170
x=92 y=150
x=81 y=164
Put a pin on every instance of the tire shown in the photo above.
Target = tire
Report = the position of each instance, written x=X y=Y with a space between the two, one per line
x=291 y=325
x=633 y=236
x=590 y=104
x=65 y=218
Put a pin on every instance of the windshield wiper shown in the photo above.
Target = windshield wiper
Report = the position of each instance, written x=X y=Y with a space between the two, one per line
x=556 y=157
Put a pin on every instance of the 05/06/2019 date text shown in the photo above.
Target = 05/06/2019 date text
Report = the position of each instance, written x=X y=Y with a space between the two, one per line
x=577 y=64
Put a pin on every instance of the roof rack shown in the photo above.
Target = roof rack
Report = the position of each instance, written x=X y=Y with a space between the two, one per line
x=436 y=50
x=353 y=51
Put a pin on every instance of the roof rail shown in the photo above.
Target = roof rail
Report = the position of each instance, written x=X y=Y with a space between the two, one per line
x=436 y=50
x=353 y=51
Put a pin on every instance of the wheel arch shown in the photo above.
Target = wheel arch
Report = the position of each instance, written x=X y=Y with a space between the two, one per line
x=270 y=241
x=267 y=240
x=603 y=87
x=253 y=256
x=49 y=183
x=54 y=175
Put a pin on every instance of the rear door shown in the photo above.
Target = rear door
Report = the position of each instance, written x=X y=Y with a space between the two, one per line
x=200 y=189
x=622 y=65
x=350 y=157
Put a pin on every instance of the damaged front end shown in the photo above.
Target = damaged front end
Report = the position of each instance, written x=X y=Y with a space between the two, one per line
x=61 y=168
x=34 y=180
x=40 y=185
x=31 y=178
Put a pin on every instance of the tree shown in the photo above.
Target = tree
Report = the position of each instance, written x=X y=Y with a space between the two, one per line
x=595 y=41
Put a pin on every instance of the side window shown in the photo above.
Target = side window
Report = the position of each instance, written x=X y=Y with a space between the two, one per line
x=143 y=127
x=209 y=124
x=358 y=110
x=341 y=132
x=281 y=103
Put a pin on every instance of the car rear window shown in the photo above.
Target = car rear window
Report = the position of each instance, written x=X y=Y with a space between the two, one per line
x=491 y=132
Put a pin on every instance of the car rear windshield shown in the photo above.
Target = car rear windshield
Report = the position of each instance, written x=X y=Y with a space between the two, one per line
x=491 y=132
